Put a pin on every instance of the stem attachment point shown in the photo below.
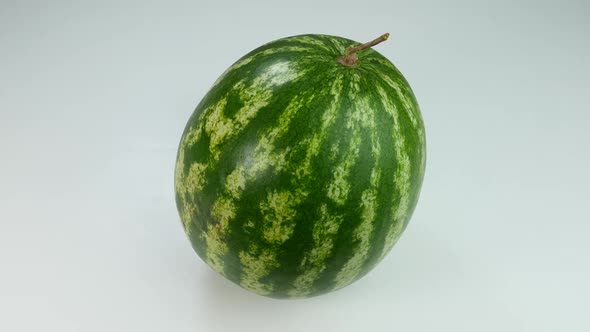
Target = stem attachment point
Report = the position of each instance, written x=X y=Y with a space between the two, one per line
x=351 y=59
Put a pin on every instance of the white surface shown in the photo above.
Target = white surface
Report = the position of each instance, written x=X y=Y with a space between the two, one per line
x=94 y=98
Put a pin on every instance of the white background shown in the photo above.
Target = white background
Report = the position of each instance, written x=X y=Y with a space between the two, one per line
x=94 y=97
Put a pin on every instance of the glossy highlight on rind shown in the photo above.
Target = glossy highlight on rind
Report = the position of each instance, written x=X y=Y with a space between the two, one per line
x=296 y=175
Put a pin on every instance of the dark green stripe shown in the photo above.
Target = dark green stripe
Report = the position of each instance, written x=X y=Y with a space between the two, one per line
x=239 y=238
x=293 y=251
x=386 y=190
x=359 y=178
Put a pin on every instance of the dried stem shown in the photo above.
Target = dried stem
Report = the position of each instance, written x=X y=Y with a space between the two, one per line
x=351 y=59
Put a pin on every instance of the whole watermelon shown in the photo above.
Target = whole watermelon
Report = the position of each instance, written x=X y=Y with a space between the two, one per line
x=302 y=165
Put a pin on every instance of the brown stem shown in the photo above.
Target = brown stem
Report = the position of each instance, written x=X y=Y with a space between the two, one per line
x=351 y=58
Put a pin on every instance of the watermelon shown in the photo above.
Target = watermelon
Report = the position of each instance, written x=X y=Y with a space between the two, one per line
x=302 y=165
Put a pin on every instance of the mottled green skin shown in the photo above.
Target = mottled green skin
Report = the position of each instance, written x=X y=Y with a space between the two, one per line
x=315 y=204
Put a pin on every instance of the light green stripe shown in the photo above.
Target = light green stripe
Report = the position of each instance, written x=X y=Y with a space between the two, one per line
x=279 y=216
x=279 y=205
x=275 y=230
x=401 y=176
x=313 y=263
x=244 y=61
x=339 y=187
x=314 y=42
x=254 y=97
x=187 y=183
x=223 y=211
x=362 y=234
x=236 y=182
x=327 y=121
x=324 y=229
x=363 y=116
x=257 y=264
x=264 y=153
x=354 y=86
x=217 y=126
x=220 y=129
x=407 y=104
